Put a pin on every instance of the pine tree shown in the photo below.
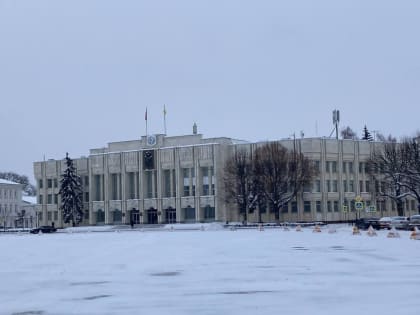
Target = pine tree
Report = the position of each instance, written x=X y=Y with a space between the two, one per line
x=71 y=194
x=366 y=134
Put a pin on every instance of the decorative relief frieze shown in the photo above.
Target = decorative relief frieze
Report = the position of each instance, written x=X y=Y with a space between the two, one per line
x=207 y=201
x=168 y=202
x=187 y=201
x=150 y=203
x=186 y=154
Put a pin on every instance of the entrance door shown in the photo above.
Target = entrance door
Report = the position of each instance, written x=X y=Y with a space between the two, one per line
x=135 y=216
x=170 y=215
x=152 y=217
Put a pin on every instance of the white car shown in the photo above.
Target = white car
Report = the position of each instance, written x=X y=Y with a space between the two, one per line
x=400 y=222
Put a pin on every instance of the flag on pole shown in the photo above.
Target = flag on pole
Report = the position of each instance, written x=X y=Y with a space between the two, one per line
x=145 y=114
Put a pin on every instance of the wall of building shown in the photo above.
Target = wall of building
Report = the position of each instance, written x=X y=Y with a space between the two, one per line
x=185 y=182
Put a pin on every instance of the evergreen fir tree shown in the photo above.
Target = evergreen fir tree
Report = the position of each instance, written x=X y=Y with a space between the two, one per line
x=71 y=194
x=366 y=134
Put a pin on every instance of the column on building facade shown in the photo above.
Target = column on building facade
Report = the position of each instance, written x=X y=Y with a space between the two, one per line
x=161 y=217
x=141 y=187
x=178 y=190
x=106 y=188
x=123 y=197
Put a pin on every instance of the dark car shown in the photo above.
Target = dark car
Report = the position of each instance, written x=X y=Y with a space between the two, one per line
x=364 y=223
x=43 y=229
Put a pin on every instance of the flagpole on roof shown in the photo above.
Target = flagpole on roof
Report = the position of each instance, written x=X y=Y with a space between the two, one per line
x=145 y=118
x=164 y=118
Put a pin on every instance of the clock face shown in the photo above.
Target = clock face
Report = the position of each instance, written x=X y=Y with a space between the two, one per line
x=151 y=140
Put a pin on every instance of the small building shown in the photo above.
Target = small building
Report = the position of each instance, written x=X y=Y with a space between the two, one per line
x=10 y=203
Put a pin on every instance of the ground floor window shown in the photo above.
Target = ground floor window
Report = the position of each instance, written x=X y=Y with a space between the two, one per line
x=189 y=214
x=100 y=216
x=307 y=206
x=209 y=212
x=117 y=216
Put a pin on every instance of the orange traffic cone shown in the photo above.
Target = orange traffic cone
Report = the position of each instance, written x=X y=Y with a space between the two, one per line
x=355 y=230
x=393 y=233
x=316 y=229
x=371 y=231
x=415 y=235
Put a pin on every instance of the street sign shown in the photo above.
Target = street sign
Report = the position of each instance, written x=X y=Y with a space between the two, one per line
x=371 y=208
x=345 y=208
x=358 y=205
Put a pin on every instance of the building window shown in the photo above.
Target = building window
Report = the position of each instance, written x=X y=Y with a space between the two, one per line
x=317 y=187
x=50 y=198
x=86 y=196
x=49 y=215
x=209 y=212
x=149 y=184
x=49 y=183
x=307 y=206
x=294 y=207
x=40 y=184
x=350 y=166
x=56 y=199
x=367 y=186
x=329 y=206
x=40 y=199
x=335 y=206
x=361 y=167
x=189 y=213
x=97 y=187
x=40 y=216
x=131 y=185
x=351 y=186
x=327 y=167
x=317 y=166
x=55 y=215
x=334 y=166
x=117 y=216
x=328 y=185
x=115 y=187
x=86 y=216
x=285 y=208
x=318 y=206
x=205 y=183
x=55 y=183
x=100 y=216
x=86 y=181
x=334 y=185
x=166 y=183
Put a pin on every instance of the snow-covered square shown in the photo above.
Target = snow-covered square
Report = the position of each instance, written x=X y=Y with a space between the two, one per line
x=210 y=271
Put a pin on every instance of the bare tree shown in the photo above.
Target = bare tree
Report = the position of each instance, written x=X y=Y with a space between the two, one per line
x=411 y=149
x=280 y=174
x=239 y=182
x=387 y=166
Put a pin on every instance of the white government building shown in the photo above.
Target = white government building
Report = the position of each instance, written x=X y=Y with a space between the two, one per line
x=179 y=179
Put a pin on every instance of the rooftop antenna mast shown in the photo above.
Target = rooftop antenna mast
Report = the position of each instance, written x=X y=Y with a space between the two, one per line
x=336 y=120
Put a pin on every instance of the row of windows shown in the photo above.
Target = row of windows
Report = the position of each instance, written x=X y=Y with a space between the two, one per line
x=347 y=166
x=7 y=209
x=332 y=186
x=53 y=182
x=52 y=199
x=9 y=194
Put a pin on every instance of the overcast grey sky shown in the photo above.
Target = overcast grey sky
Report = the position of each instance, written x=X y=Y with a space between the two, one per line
x=78 y=74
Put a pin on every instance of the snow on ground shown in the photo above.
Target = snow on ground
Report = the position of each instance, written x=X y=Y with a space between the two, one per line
x=246 y=271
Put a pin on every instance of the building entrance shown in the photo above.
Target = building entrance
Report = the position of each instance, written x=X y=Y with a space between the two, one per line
x=170 y=215
x=135 y=216
x=152 y=217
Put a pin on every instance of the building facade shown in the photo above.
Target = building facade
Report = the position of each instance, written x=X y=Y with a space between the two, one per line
x=10 y=203
x=160 y=179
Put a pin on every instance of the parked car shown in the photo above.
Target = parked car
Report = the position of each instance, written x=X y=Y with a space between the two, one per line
x=43 y=229
x=414 y=221
x=364 y=223
x=385 y=223
x=400 y=223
